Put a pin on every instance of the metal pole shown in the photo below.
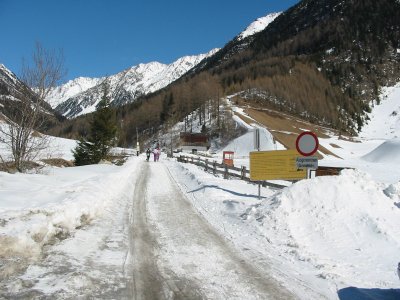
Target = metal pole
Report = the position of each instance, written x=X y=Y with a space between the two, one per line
x=257 y=146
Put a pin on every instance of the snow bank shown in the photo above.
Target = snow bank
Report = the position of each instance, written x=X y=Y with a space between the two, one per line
x=393 y=192
x=345 y=226
x=36 y=209
x=387 y=152
x=320 y=235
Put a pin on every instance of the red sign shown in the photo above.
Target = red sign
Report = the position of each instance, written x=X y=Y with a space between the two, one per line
x=307 y=143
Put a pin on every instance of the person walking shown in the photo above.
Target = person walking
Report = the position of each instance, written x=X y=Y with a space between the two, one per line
x=155 y=153
x=148 y=152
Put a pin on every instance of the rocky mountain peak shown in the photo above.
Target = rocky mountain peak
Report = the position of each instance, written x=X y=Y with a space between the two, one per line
x=81 y=96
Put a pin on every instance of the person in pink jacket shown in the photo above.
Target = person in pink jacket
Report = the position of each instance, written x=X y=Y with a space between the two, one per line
x=156 y=153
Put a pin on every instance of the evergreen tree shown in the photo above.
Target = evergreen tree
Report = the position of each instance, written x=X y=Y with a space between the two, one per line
x=103 y=131
x=82 y=153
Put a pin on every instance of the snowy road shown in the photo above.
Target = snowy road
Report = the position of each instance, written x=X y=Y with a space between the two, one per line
x=176 y=254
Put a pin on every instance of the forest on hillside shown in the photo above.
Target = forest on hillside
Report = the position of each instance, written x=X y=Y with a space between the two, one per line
x=323 y=61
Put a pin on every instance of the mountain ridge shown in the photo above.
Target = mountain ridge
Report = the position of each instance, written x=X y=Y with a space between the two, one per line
x=15 y=94
x=125 y=86
x=133 y=82
x=354 y=45
x=310 y=62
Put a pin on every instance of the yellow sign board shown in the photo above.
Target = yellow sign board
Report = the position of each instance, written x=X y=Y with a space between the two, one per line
x=272 y=165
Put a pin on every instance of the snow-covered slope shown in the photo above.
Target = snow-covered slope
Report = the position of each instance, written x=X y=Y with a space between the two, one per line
x=12 y=90
x=385 y=117
x=82 y=95
x=258 y=25
x=387 y=152
x=10 y=85
x=71 y=89
x=7 y=76
x=241 y=41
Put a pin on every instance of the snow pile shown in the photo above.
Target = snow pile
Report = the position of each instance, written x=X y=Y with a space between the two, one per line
x=393 y=191
x=344 y=226
x=388 y=152
x=320 y=235
x=37 y=209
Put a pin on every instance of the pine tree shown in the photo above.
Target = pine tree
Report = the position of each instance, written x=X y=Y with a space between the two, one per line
x=103 y=131
x=82 y=153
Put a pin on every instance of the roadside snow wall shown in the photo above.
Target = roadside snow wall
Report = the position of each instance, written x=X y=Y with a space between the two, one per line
x=37 y=209
x=347 y=226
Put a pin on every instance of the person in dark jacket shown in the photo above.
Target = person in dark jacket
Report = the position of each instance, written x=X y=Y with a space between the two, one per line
x=148 y=152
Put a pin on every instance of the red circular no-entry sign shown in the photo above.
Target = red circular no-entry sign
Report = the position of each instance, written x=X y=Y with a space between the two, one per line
x=307 y=143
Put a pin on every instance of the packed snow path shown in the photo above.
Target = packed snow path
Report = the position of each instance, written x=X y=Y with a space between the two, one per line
x=175 y=254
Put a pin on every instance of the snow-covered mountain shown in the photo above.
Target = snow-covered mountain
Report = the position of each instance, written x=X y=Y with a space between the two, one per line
x=239 y=42
x=258 y=25
x=71 y=89
x=81 y=96
x=10 y=85
x=7 y=76
x=12 y=91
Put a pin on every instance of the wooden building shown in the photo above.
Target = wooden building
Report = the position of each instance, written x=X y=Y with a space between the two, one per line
x=193 y=142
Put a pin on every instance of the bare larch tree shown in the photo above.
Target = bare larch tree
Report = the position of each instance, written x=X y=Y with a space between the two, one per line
x=21 y=135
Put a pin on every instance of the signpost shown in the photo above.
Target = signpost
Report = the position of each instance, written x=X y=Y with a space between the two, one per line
x=257 y=147
x=257 y=139
x=310 y=162
x=284 y=164
x=307 y=145
x=273 y=165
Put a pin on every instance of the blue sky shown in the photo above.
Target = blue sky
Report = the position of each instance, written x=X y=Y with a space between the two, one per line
x=103 y=37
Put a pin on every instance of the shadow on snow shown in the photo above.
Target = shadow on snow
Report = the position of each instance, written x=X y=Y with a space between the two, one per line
x=225 y=190
x=354 y=293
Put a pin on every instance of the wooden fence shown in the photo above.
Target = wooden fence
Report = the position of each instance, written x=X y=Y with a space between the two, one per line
x=244 y=174
x=227 y=171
